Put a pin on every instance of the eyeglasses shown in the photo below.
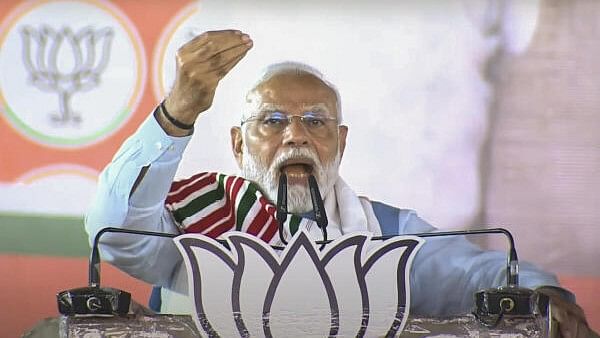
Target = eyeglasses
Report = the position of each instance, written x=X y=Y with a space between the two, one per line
x=275 y=122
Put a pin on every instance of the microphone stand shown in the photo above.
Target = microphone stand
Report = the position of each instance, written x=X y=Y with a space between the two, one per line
x=512 y=267
x=94 y=267
x=491 y=305
x=94 y=300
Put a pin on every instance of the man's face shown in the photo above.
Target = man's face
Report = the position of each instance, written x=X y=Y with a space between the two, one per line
x=265 y=148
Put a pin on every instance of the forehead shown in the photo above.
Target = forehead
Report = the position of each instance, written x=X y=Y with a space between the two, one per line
x=295 y=91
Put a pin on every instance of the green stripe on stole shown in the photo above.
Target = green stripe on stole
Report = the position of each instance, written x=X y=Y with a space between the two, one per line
x=246 y=203
x=294 y=224
x=201 y=201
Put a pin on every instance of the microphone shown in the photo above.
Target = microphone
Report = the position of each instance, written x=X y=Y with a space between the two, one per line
x=317 y=203
x=318 y=207
x=94 y=300
x=281 y=207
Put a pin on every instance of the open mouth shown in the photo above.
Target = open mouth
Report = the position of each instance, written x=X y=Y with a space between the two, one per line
x=297 y=166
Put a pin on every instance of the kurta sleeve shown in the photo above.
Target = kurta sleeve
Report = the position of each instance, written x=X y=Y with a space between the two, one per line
x=153 y=154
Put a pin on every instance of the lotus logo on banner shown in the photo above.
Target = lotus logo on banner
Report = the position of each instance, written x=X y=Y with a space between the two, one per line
x=41 y=49
x=73 y=71
x=354 y=287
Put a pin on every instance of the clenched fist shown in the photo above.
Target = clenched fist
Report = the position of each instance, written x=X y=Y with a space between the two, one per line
x=201 y=63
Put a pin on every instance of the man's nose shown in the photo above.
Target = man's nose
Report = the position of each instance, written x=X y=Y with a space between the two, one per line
x=295 y=133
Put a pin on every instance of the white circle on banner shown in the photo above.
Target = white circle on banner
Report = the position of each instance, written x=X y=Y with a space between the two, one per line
x=73 y=72
x=34 y=191
x=179 y=31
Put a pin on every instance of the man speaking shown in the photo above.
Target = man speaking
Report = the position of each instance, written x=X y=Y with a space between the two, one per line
x=292 y=125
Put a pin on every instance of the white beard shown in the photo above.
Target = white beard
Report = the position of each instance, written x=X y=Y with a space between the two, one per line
x=267 y=177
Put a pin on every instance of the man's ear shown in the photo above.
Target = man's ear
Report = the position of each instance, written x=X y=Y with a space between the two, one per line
x=237 y=144
x=343 y=132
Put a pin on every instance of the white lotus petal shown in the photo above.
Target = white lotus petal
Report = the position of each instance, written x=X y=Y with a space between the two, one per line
x=300 y=305
x=212 y=289
x=103 y=39
x=64 y=53
x=382 y=284
x=258 y=261
x=343 y=273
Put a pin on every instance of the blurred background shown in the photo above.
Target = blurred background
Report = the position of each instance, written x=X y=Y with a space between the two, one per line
x=475 y=113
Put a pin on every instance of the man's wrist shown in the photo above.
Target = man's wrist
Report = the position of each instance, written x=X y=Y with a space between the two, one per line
x=173 y=120
x=168 y=126
x=557 y=290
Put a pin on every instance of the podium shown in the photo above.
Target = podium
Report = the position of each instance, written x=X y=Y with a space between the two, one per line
x=245 y=288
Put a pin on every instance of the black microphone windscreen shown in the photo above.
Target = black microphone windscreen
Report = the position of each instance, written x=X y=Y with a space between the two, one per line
x=317 y=201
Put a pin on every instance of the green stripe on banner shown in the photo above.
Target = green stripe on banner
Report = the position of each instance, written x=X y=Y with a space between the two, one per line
x=43 y=235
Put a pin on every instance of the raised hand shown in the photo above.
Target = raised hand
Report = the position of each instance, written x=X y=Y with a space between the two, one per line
x=201 y=63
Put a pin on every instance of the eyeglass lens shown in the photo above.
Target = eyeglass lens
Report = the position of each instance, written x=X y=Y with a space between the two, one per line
x=276 y=122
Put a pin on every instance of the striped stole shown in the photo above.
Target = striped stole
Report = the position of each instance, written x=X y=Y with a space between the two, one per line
x=214 y=203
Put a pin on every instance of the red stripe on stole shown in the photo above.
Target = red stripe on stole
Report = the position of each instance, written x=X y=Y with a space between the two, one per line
x=180 y=183
x=225 y=212
x=272 y=226
x=258 y=222
x=237 y=187
x=204 y=223
x=268 y=206
x=261 y=219
x=229 y=223
x=180 y=196
x=271 y=231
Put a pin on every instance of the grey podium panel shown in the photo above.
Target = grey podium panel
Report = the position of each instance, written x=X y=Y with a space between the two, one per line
x=179 y=326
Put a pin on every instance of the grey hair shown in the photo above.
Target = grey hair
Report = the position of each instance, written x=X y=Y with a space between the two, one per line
x=292 y=67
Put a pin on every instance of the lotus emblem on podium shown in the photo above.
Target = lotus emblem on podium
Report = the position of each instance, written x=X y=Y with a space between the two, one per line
x=65 y=62
x=354 y=287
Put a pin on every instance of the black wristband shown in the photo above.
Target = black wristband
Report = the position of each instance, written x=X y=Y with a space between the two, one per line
x=173 y=120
